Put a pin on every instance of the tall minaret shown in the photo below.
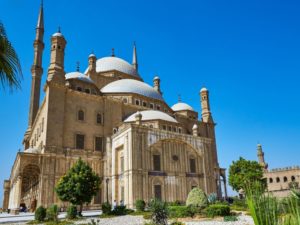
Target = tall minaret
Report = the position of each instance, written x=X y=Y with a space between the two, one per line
x=134 y=58
x=206 y=114
x=36 y=70
x=261 y=157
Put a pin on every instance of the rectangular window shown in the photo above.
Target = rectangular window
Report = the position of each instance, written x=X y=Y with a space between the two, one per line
x=122 y=164
x=99 y=118
x=98 y=143
x=97 y=198
x=156 y=162
x=193 y=165
x=122 y=193
x=157 y=191
x=145 y=104
x=79 y=141
x=151 y=106
x=164 y=127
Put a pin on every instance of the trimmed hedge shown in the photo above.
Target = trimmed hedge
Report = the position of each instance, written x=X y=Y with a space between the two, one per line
x=40 y=214
x=217 y=210
x=181 y=211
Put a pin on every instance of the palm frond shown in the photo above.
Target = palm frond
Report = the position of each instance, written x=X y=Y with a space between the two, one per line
x=10 y=68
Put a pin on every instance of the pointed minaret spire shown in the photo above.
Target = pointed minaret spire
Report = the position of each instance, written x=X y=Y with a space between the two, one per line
x=134 y=58
x=40 y=24
x=36 y=74
x=77 y=66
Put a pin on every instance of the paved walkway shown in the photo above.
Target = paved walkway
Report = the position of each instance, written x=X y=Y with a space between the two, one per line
x=24 y=217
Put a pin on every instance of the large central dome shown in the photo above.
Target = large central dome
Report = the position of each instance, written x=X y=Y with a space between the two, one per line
x=114 y=63
x=131 y=86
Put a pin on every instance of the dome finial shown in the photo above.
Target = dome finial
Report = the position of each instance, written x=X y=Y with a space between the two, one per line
x=179 y=98
x=134 y=57
x=59 y=31
x=113 y=52
x=77 y=66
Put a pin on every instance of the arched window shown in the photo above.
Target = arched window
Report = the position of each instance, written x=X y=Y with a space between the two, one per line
x=293 y=178
x=80 y=115
x=99 y=118
x=285 y=179
x=271 y=180
x=157 y=191
x=277 y=179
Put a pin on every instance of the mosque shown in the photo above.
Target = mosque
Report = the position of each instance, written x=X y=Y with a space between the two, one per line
x=121 y=126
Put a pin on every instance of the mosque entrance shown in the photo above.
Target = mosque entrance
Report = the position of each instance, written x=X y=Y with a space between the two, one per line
x=30 y=184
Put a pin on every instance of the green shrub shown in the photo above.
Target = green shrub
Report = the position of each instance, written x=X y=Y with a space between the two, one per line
x=181 y=211
x=177 y=223
x=159 y=211
x=212 y=198
x=140 y=205
x=52 y=213
x=176 y=203
x=230 y=218
x=106 y=208
x=40 y=214
x=119 y=210
x=217 y=210
x=71 y=212
x=197 y=198
x=147 y=215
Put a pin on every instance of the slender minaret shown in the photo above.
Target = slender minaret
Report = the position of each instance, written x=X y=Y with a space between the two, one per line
x=206 y=114
x=261 y=157
x=134 y=58
x=36 y=69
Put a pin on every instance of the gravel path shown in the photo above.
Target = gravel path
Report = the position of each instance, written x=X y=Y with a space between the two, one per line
x=242 y=220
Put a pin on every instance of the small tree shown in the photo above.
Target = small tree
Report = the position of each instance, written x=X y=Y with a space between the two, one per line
x=79 y=185
x=243 y=173
x=159 y=212
x=197 y=198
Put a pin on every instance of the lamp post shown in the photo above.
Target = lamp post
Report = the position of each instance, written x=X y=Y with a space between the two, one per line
x=107 y=180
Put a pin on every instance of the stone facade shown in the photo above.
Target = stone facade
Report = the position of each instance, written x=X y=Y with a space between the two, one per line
x=162 y=152
x=280 y=181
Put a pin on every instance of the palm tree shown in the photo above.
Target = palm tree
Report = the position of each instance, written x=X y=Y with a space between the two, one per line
x=10 y=68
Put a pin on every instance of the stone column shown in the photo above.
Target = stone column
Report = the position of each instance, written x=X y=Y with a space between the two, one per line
x=6 y=190
x=225 y=187
x=17 y=196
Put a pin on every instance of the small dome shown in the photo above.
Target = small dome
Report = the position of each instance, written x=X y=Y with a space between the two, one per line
x=92 y=55
x=79 y=76
x=156 y=78
x=31 y=150
x=152 y=115
x=57 y=34
x=114 y=63
x=132 y=86
x=203 y=89
x=180 y=106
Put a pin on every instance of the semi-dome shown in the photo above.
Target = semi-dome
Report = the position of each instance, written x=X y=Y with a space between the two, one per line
x=114 y=63
x=79 y=76
x=131 y=86
x=181 y=106
x=151 y=115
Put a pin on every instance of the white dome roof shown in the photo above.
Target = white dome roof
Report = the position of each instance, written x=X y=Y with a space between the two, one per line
x=132 y=86
x=115 y=63
x=79 y=76
x=152 y=115
x=182 y=106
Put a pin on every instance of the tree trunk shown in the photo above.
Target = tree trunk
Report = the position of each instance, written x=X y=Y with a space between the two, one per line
x=80 y=210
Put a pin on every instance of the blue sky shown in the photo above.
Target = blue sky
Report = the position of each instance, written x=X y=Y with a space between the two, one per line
x=247 y=53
